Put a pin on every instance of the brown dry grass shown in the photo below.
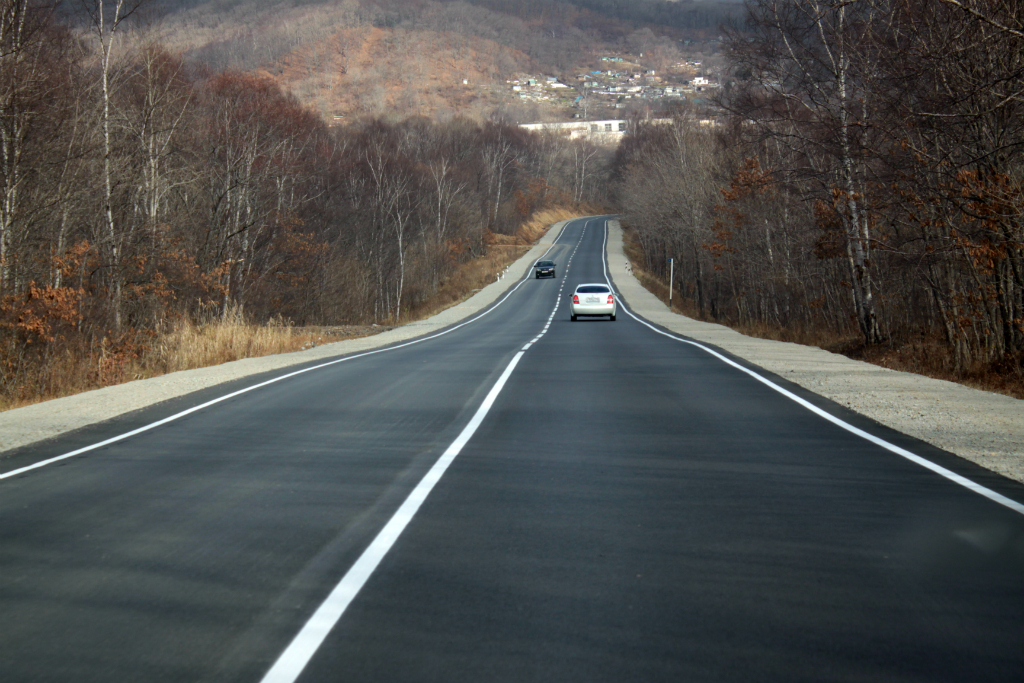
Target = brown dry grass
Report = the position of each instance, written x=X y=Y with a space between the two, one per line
x=928 y=356
x=468 y=279
x=188 y=345
x=502 y=251
x=185 y=345
x=532 y=230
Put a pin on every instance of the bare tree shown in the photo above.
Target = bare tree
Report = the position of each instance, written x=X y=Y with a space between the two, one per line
x=584 y=153
x=811 y=72
x=499 y=155
x=158 y=100
x=27 y=81
x=107 y=18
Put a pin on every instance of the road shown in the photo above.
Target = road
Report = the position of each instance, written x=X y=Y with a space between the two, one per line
x=617 y=505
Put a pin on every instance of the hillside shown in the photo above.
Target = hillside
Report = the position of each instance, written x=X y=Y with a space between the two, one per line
x=355 y=58
x=373 y=71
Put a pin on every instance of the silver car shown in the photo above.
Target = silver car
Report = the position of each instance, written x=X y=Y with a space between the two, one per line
x=592 y=298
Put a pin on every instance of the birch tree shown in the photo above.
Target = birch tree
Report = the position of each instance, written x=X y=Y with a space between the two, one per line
x=811 y=69
x=107 y=19
x=28 y=46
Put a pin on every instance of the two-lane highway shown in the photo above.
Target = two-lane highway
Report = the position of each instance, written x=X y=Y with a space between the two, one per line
x=620 y=505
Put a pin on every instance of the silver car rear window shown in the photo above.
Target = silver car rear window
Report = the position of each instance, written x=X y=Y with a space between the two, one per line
x=592 y=289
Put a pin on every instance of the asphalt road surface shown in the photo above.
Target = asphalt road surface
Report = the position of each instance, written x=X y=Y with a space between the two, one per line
x=609 y=504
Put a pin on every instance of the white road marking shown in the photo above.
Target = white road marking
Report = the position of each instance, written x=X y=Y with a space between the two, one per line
x=300 y=651
x=305 y=644
x=893 y=448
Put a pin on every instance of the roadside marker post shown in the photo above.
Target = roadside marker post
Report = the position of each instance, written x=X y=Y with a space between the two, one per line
x=671 y=277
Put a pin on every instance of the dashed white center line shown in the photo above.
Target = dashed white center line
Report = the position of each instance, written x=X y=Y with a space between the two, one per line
x=305 y=644
x=302 y=648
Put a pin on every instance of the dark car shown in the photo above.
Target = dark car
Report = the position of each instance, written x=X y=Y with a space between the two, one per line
x=544 y=268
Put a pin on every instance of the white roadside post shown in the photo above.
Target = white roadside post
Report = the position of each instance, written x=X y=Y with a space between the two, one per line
x=671 y=277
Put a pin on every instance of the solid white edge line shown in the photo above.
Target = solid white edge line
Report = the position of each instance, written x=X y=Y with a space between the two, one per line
x=176 y=416
x=296 y=656
x=893 y=448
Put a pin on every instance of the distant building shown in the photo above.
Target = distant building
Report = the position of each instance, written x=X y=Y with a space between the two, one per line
x=604 y=132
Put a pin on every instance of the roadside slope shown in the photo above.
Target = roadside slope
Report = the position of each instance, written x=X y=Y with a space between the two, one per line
x=980 y=426
x=40 y=421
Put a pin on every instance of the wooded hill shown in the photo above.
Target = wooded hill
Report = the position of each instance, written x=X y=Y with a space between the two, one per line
x=371 y=57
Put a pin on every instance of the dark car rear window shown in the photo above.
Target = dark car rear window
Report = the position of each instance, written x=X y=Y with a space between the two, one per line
x=593 y=289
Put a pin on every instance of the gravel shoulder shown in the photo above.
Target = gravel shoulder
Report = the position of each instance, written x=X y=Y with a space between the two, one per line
x=41 y=421
x=980 y=426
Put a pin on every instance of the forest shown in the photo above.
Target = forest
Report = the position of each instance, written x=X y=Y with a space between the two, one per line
x=857 y=184
x=864 y=191
x=138 y=189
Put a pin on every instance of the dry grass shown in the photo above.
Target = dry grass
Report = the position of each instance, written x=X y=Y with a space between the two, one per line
x=184 y=346
x=502 y=251
x=467 y=280
x=188 y=345
x=539 y=223
x=928 y=356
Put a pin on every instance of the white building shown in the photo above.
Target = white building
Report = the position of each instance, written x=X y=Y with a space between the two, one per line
x=603 y=132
